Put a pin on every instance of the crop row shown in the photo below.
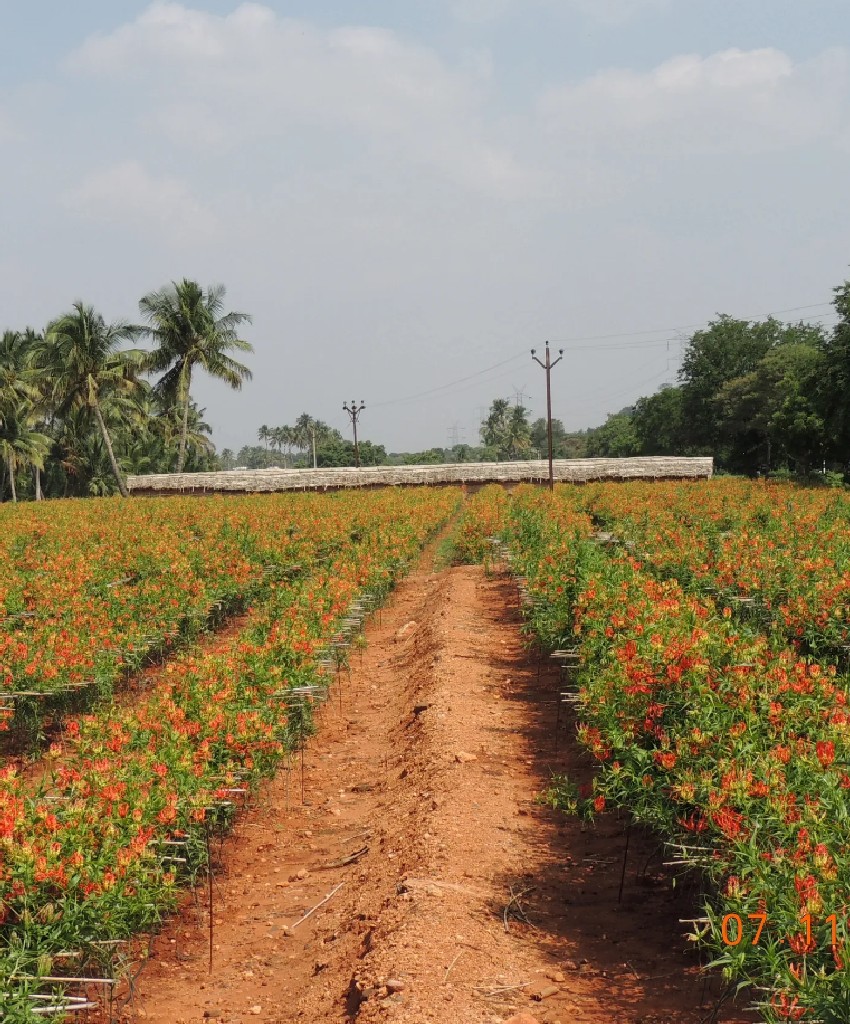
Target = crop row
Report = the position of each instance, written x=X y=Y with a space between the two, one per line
x=91 y=591
x=95 y=847
x=778 y=552
x=718 y=735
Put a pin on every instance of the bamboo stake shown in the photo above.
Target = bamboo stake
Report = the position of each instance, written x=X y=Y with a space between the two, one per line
x=210 y=894
x=625 y=858
x=313 y=910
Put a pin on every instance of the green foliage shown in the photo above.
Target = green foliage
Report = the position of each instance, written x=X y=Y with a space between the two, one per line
x=760 y=397
x=506 y=430
x=564 y=445
x=658 y=422
x=77 y=412
x=616 y=438
x=339 y=452
x=752 y=394
x=191 y=329
x=431 y=457
x=447 y=553
x=568 y=797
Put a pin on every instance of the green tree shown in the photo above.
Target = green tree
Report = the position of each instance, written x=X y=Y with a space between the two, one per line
x=87 y=367
x=190 y=329
x=659 y=424
x=772 y=416
x=564 y=445
x=151 y=445
x=337 y=451
x=495 y=429
x=462 y=453
x=21 y=442
x=20 y=446
x=506 y=430
x=431 y=457
x=615 y=439
x=834 y=387
x=17 y=373
x=727 y=349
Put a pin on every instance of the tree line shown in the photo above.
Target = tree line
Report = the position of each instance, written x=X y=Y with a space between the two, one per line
x=79 y=409
x=307 y=442
x=81 y=405
x=760 y=396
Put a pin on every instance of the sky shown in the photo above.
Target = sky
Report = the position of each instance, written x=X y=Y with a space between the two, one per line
x=407 y=196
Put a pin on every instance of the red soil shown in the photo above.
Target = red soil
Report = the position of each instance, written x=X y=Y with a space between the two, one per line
x=464 y=898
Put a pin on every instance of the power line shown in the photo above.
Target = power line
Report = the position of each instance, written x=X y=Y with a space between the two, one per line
x=442 y=387
x=571 y=346
x=635 y=386
x=650 y=343
x=684 y=327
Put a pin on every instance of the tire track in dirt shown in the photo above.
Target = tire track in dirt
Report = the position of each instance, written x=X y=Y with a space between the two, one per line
x=472 y=898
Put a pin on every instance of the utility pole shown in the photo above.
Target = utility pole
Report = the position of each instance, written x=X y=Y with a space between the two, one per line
x=547 y=366
x=313 y=435
x=354 y=411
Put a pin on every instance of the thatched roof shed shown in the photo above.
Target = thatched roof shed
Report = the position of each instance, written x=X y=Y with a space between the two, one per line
x=470 y=473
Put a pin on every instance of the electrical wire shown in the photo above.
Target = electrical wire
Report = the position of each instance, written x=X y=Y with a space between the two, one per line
x=443 y=387
x=570 y=345
x=682 y=327
x=636 y=386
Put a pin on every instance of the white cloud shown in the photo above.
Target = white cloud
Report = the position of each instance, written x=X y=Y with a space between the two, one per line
x=611 y=12
x=730 y=102
x=249 y=75
x=390 y=208
x=127 y=196
x=217 y=84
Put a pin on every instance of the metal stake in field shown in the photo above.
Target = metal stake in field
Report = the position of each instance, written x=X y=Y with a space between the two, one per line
x=547 y=366
x=210 y=892
x=298 y=699
x=354 y=411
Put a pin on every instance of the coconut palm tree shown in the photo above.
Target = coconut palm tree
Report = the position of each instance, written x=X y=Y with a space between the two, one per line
x=41 y=400
x=280 y=438
x=83 y=356
x=17 y=376
x=190 y=329
x=21 y=443
x=303 y=432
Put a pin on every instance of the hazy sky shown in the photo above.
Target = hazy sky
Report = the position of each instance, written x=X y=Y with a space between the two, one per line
x=405 y=194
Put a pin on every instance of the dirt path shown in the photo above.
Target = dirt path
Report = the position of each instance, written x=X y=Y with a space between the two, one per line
x=465 y=900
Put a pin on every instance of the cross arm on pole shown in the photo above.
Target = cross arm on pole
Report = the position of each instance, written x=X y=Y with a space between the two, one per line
x=547 y=366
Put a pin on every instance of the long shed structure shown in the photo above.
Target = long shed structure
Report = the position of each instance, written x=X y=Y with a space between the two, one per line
x=252 y=481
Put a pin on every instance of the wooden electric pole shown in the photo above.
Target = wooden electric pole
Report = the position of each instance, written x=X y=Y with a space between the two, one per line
x=354 y=411
x=547 y=366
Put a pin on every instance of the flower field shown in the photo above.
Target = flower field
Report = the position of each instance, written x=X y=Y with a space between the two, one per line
x=92 y=591
x=781 y=553
x=88 y=594
x=710 y=624
x=95 y=845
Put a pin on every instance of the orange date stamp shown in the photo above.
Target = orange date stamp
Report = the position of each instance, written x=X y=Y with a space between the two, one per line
x=735 y=929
